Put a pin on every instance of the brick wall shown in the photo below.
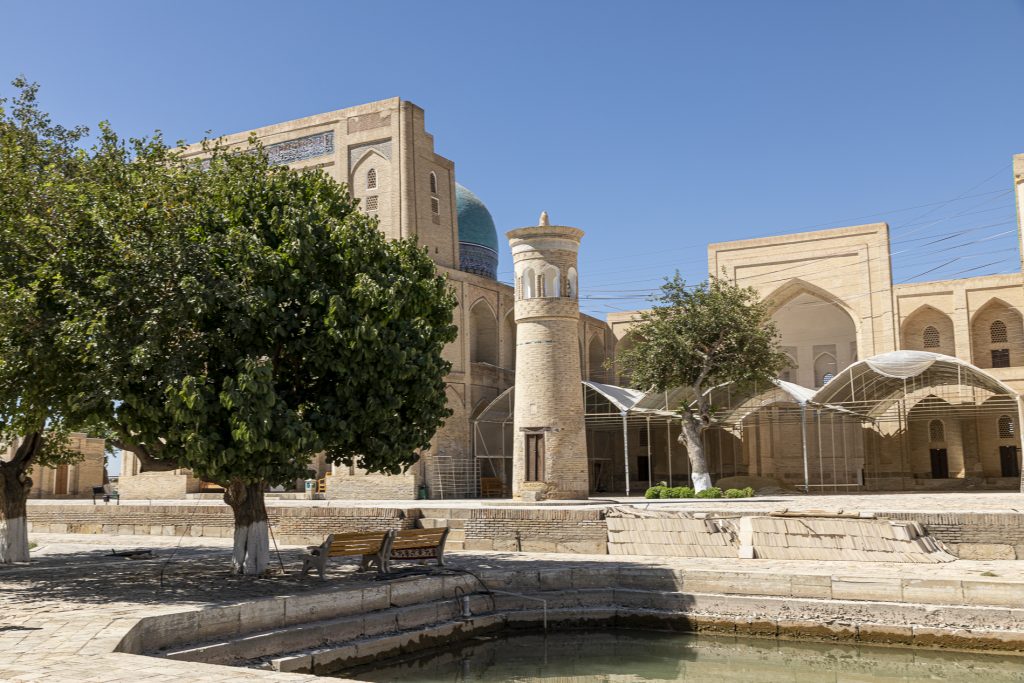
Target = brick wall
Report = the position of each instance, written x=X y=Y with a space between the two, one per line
x=536 y=530
x=291 y=525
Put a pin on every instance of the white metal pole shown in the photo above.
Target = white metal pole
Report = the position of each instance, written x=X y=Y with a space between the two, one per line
x=668 y=443
x=650 y=455
x=625 y=450
x=803 y=443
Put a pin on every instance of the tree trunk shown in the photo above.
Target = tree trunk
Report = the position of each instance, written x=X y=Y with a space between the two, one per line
x=15 y=485
x=690 y=437
x=251 y=555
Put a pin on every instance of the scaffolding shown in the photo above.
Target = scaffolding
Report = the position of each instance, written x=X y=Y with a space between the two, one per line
x=853 y=428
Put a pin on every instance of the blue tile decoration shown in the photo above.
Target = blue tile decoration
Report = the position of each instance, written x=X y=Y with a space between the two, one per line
x=478 y=260
x=299 y=149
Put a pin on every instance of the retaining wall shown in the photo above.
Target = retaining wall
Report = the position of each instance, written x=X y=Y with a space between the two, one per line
x=968 y=535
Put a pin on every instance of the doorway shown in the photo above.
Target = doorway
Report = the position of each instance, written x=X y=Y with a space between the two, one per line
x=60 y=484
x=940 y=463
x=1008 y=461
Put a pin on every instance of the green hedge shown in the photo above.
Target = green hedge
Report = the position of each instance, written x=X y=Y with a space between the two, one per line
x=687 y=492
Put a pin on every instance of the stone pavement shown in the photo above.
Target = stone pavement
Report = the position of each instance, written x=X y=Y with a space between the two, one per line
x=63 y=615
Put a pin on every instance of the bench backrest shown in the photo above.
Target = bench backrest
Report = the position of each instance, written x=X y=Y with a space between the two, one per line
x=418 y=538
x=369 y=543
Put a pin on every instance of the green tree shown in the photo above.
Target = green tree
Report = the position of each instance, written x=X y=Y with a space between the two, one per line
x=262 y=319
x=699 y=338
x=42 y=216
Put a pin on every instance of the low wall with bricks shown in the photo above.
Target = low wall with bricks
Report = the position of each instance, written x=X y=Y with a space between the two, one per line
x=974 y=535
x=968 y=535
x=537 y=530
x=291 y=525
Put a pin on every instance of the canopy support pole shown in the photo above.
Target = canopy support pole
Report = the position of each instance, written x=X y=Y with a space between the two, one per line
x=1017 y=432
x=668 y=449
x=650 y=455
x=625 y=450
x=803 y=443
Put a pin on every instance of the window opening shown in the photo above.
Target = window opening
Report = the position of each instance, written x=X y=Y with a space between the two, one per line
x=435 y=205
x=433 y=182
x=997 y=331
x=936 y=431
x=931 y=337
x=371 y=179
x=371 y=203
x=1000 y=358
x=1005 y=427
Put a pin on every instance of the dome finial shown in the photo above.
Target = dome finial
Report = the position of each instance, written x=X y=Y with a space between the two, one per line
x=544 y=218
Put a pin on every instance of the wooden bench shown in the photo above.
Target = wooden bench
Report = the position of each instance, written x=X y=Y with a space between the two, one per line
x=419 y=545
x=102 y=492
x=373 y=547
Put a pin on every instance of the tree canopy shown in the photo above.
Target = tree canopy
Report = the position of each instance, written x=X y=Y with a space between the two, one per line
x=218 y=313
x=701 y=337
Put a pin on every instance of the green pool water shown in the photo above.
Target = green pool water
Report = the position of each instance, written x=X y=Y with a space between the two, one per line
x=624 y=656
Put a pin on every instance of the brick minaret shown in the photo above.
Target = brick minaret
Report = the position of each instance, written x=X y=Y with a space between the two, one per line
x=550 y=447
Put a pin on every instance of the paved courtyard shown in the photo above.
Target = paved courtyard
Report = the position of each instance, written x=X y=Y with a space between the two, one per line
x=62 y=616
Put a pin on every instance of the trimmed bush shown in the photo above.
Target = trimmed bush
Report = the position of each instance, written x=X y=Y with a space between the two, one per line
x=662 y=492
x=655 y=492
x=747 y=492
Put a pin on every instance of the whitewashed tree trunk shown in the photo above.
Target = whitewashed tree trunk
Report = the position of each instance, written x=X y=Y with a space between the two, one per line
x=251 y=554
x=13 y=518
x=690 y=437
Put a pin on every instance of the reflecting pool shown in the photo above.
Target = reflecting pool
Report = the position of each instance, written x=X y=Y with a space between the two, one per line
x=621 y=656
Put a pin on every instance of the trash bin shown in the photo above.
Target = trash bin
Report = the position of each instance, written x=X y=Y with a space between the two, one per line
x=310 y=487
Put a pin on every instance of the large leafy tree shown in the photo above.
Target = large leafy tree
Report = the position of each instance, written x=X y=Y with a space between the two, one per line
x=257 y=319
x=699 y=338
x=42 y=216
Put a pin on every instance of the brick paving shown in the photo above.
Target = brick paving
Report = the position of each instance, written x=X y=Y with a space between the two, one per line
x=63 y=615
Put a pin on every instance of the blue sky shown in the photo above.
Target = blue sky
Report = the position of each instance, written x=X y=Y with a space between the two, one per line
x=655 y=127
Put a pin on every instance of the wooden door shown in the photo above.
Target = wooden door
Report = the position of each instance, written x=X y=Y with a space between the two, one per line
x=534 y=457
x=60 y=484
x=940 y=463
x=1008 y=461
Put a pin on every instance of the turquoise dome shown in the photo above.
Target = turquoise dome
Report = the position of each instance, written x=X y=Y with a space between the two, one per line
x=478 y=238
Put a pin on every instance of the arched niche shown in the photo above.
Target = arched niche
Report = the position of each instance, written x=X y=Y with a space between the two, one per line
x=991 y=346
x=928 y=329
x=508 y=341
x=624 y=344
x=549 y=282
x=371 y=183
x=528 y=284
x=483 y=334
x=595 y=360
x=814 y=328
x=571 y=284
x=934 y=438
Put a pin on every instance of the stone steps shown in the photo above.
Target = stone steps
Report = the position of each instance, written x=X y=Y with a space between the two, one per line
x=456 y=529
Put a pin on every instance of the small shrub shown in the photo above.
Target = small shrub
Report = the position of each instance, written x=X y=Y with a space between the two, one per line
x=655 y=492
x=666 y=492
x=747 y=492
x=682 y=492
x=712 y=492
